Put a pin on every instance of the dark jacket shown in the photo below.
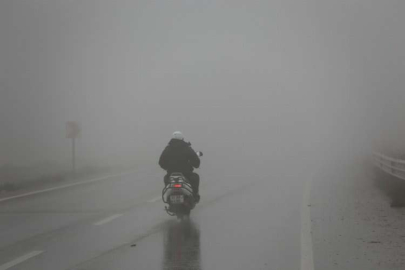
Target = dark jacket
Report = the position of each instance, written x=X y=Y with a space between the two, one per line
x=178 y=156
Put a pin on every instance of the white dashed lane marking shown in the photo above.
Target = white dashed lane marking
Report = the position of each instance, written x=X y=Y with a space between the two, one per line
x=20 y=259
x=108 y=219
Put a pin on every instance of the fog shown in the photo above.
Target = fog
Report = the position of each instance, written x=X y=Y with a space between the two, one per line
x=250 y=83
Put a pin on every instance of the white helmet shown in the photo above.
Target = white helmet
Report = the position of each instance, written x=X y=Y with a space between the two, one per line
x=178 y=135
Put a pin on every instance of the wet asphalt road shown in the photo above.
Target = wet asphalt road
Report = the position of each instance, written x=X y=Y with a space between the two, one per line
x=119 y=223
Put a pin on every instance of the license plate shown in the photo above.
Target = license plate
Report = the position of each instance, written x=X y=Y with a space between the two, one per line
x=176 y=199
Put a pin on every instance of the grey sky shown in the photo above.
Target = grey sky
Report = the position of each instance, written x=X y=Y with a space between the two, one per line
x=248 y=77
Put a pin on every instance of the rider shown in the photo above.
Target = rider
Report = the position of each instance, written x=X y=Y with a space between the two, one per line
x=178 y=156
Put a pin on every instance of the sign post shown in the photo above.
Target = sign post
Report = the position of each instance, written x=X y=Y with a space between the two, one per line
x=72 y=132
x=74 y=154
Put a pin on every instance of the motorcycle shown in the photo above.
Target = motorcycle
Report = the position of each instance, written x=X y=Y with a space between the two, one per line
x=179 y=195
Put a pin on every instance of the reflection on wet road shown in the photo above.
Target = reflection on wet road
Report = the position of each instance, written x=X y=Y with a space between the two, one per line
x=181 y=246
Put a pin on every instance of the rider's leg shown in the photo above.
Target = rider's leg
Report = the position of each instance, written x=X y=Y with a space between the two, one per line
x=194 y=180
x=166 y=179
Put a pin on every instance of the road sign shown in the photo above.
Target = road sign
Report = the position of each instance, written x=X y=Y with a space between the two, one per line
x=72 y=129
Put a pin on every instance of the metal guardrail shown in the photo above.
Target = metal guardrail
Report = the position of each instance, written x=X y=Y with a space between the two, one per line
x=395 y=167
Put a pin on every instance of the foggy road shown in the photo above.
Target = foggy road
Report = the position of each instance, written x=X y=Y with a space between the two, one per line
x=120 y=223
x=275 y=93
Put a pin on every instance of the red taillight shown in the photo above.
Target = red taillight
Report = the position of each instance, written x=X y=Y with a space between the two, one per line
x=177 y=185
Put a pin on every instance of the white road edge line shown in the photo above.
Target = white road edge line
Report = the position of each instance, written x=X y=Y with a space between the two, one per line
x=20 y=259
x=307 y=257
x=63 y=186
x=154 y=199
x=106 y=220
